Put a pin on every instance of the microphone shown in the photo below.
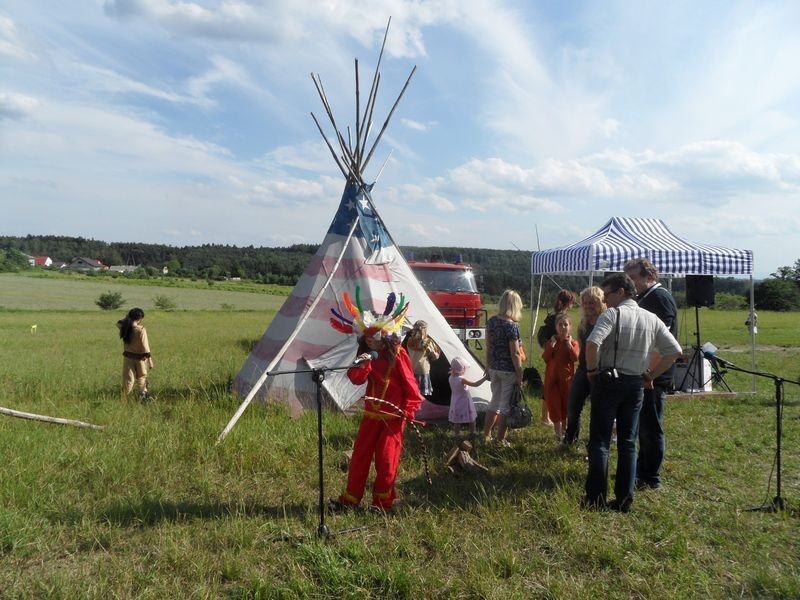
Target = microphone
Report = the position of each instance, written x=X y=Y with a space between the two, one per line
x=360 y=361
x=709 y=352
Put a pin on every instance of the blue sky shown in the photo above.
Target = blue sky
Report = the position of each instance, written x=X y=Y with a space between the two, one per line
x=187 y=122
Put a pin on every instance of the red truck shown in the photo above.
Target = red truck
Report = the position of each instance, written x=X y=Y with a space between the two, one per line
x=451 y=287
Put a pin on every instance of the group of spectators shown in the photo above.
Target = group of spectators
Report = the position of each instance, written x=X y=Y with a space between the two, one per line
x=625 y=353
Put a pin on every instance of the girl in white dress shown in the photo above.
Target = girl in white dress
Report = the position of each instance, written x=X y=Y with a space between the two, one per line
x=462 y=408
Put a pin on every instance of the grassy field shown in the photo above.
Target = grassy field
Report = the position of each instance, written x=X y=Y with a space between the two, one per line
x=53 y=291
x=151 y=508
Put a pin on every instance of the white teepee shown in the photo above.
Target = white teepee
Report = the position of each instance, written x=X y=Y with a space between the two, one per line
x=357 y=251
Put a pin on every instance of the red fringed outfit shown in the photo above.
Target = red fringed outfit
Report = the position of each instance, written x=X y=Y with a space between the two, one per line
x=380 y=434
x=559 y=370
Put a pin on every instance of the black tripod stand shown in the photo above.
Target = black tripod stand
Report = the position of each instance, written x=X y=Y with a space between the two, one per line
x=694 y=368
x=777 y=503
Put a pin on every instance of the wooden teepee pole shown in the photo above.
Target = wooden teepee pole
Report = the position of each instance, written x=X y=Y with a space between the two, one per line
x=252 y=394
x=388 y=118
x=34 y=417
x=373 y=92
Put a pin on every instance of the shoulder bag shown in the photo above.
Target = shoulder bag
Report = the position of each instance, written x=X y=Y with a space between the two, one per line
x=520 y=414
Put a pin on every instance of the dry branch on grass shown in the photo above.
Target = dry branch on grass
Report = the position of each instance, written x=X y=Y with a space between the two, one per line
x=34 y=417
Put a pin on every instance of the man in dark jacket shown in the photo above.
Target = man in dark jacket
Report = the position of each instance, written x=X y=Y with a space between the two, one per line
x=652 y=444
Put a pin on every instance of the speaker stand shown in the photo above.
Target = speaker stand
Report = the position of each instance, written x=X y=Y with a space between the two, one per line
x=695 y=366
x=696 y=362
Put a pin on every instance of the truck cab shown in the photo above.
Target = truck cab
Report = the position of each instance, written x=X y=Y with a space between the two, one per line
x=451 y=286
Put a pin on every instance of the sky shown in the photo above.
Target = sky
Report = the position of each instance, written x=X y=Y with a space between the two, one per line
x=526 y=125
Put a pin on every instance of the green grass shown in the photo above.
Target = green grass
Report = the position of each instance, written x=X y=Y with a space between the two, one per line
x=151 y=508
x=56 y=291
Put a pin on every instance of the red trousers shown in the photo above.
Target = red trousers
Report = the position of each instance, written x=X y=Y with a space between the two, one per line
x=556 y=394
x=381 y=437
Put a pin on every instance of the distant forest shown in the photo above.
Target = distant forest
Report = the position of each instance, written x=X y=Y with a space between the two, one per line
x=495 y=270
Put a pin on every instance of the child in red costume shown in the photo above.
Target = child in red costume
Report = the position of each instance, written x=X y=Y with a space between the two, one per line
x=390 y=379
x=560 y=353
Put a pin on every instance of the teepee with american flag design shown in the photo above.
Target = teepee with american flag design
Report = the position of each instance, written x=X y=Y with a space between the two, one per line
x=357 y=251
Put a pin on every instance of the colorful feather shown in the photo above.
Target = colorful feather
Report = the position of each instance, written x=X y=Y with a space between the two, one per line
x=390 y=299
x=338 y=316
x=341 y=327
x=350 y=306
x=400 y=305
x=358 y=299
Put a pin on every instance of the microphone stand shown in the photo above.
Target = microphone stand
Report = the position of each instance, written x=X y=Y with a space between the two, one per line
x=318 y=376
x=778 y=503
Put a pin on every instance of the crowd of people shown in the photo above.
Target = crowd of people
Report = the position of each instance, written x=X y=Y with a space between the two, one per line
x=621 y=359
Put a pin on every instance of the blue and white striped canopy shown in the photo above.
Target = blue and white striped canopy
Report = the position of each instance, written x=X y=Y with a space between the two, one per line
x=622 y=239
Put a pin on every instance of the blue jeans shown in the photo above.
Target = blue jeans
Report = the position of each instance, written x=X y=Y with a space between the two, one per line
x=651 y=438
x=579 y=390
x=620 y=400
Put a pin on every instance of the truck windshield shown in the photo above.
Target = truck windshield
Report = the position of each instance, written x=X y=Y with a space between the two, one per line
x=443 y=280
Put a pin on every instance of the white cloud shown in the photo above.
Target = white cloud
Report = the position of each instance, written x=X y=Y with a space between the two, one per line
x=106 y=80
x=609 y=127
x=252 y=21
x=223 y=71
x=16 y=106
x=415 y=125
x=12 y=42
x=430 y=233
x=308 y=156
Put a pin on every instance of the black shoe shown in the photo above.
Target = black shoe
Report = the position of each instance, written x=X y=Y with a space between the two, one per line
x=642 y=485
x=623 y=506
x=334 y=506
x=592 y=503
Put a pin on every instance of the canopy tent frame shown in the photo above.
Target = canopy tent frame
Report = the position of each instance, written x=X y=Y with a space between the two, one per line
x=624 y=238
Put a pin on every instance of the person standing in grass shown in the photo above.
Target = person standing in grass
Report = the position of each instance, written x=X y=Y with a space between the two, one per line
x=559 y=355
x=462 y=408
x=391 y=399
x=618 y=365
x=653 y=297
x=592 y=306
x=504 y=359
x=564 y=302
x=422 y=350
x=137 y=358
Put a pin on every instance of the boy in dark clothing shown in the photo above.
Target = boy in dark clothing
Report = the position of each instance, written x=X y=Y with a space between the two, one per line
x=654 y=298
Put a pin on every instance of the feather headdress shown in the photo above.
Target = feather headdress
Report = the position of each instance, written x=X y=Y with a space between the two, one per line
x=370 y=323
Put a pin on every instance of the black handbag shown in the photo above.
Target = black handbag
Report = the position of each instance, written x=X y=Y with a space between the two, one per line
x=520 y=414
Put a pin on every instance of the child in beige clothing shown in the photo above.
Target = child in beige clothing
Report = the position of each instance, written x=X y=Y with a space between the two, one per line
x=136 y=352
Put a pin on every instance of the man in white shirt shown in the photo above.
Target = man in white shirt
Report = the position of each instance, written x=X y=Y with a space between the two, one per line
x=617 y=355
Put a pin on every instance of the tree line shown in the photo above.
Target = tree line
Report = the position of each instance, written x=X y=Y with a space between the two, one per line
x=495 y=270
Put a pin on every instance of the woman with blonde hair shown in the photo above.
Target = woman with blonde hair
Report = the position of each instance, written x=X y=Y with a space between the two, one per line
x=592 y=306
x=504 y=361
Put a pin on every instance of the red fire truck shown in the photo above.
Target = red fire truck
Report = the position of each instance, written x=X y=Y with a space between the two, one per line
x=451 y=287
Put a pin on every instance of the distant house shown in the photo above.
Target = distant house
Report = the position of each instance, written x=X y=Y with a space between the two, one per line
x=81 y=263
x=31 y=259
x=42 y=261
x=123 y=268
